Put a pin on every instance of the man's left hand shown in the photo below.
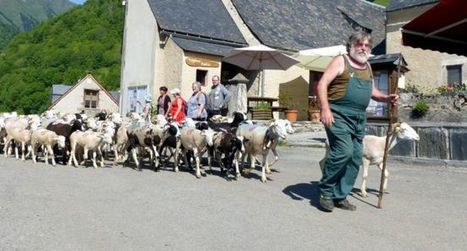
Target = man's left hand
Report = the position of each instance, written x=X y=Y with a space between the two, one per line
x=393 y=98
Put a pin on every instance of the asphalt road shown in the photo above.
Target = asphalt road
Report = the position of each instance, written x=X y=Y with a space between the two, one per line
x=65 y=208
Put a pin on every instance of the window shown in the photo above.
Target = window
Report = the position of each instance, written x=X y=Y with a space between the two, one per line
x=201 y=76
x=382 y=81
x=91 y=98
x=454 y=74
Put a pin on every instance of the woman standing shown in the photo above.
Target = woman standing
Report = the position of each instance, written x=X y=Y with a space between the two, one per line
x=177 y=107
x=163 y=102
x=196 y=105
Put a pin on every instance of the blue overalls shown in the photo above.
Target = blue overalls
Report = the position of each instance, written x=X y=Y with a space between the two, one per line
x=345 y=136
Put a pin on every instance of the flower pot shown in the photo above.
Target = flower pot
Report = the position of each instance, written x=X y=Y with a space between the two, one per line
x=314 y=115
x=291 y=115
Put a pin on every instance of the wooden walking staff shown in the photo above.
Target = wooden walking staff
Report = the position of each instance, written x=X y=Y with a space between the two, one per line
x=392 y=120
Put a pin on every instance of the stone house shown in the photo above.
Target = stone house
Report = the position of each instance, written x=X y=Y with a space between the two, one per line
x=174 y=43
x=428 y=69
x=86 y=95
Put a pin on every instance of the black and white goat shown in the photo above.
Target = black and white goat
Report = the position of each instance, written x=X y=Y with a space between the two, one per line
x=227 y=149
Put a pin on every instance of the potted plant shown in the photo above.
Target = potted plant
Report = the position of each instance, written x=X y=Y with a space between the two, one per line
x=262 y=111
x=286 y=100
x=314 y=109
x=263 y=105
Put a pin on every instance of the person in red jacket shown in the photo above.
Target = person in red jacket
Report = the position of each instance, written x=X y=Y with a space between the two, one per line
x=177 y=107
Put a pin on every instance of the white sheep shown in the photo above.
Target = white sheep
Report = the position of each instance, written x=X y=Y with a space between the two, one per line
x=261 y=139
x=89 y=140
x=373 y=151
x=11 y=125
x=19 y=129
x=20 y=136
x=196 y=141
x=119 y=142
x=47 y=138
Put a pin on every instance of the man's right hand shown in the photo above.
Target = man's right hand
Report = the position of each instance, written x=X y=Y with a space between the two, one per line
x=326 y=117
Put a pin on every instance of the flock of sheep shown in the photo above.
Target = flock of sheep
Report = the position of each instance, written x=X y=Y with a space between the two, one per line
x=74 y=136
x=226 y=143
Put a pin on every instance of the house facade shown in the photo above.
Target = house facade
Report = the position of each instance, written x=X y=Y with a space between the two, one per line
x=86 y=95
x=174 y=43
x=167 y=43
x=428 y=69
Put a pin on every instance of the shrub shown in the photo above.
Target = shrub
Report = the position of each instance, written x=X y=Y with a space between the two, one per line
x=286 y=99
x=442 y=89
x=451 y=89
x=263 y=105
x=460 y=88
x=421 y=108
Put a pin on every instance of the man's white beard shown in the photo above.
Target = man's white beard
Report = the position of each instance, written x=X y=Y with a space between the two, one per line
x=361 y=57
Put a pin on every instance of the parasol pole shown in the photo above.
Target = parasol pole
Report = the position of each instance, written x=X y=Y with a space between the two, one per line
x=389 y=133
x=262 y=83
x=261 y=76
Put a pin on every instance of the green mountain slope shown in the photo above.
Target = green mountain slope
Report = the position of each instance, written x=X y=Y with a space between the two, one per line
x=22 y=15
x=87 y=38
x=25 y=14
x=7 y=32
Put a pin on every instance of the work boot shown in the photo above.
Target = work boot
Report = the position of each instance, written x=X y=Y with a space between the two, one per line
x=326 y=204
x=345 y=204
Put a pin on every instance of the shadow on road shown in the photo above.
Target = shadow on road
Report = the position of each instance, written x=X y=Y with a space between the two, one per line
x=303 y=191
x=309 y=191
x=356 y=194
x=322 y=140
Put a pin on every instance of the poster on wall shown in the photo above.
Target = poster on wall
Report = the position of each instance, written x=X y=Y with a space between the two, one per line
x=136 y=96
x=379 y=109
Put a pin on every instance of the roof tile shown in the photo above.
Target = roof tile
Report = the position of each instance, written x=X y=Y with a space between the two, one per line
x=207 y=18
x=303 y=24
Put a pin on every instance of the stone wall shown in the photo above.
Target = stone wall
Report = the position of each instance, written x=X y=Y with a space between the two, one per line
x=441 y=109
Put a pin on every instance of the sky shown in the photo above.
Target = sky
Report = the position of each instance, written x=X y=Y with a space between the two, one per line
x=78 y=1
